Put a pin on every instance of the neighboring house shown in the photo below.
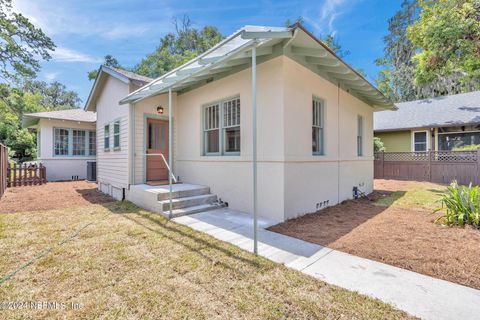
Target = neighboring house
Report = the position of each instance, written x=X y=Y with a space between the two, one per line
x=314 y=120
x=441 y=123
x=66 y=140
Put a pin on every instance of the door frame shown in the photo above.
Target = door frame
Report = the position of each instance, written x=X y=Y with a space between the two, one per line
x=147 y=116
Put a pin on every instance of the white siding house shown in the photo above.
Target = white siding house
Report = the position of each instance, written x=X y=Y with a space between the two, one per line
x=66 y=140
x=314 y=127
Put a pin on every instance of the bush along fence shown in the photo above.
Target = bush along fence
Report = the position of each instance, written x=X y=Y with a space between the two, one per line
x=433 y=166
x=26 y=175
x=3 y=168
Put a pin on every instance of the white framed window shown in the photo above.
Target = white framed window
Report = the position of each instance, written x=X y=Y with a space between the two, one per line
x=116 y=135
x=79 y=138
x=221 y=128
x=420 y=141
x=73 y=142
x=318 y=126
x=92 y=143
x=359 y=135
x=106 y=137
x=61 y=142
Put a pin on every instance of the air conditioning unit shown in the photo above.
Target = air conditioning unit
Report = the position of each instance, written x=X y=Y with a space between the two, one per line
x=92 y=171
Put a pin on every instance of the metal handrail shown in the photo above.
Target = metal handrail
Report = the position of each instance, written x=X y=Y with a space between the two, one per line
x=166 y=163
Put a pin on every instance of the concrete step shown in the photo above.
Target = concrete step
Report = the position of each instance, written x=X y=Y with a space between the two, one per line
x=179 y=203
x=191 y=210
x=190 y=192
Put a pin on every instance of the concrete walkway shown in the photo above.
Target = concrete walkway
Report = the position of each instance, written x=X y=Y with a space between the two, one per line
x=418 y=295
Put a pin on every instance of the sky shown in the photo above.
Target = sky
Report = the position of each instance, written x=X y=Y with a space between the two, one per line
x=84 y=31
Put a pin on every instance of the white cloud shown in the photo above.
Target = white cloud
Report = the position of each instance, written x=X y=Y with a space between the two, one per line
x=328 y=13
x=69 y=55
x=51 y=76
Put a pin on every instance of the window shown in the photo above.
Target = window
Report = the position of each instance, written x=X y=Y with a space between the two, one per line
x=116 y=135
x=79 y=140
x=222 y=127
x=231 y=125
x=73 y=142
x=106 y=137
x=61 y=142
x=420 y=141
x=92 y=143
x=317 y=126
x=359 y=136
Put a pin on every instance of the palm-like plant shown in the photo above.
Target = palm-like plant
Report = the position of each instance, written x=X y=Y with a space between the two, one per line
x=460 y=206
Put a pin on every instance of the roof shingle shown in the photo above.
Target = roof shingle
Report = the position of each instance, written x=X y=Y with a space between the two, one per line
x=70 y=114
x=445 y=111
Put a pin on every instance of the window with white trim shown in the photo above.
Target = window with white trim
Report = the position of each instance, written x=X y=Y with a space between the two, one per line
x=92 y=143
x=61 y=142
x=73 y=142
x=116 y=134
x=359 y=135
x=79 y=140
x=317 y=126
x=221 y=128
x=106 y=137
x=420 y=141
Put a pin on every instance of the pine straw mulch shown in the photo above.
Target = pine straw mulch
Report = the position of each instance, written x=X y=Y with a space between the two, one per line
x=396 y=226
x=52 y=195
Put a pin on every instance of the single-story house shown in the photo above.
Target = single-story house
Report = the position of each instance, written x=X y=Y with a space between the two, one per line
x=269 y=120
x=442 y=123
x=66 y=140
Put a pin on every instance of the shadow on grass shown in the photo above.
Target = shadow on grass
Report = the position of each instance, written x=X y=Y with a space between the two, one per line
x=170 y=230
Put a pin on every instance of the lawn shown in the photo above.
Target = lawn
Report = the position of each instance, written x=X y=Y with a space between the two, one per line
x=396 y=227
x=124 y=262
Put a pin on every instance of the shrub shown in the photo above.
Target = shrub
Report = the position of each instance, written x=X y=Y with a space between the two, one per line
x=378 y=145
x=460 y=206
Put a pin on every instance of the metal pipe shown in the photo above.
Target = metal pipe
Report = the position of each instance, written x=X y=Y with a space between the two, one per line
x=254 y=144
x=170 y=154
x=170 y=171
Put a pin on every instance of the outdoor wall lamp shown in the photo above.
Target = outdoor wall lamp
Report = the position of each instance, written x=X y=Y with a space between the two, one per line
x=160 y=110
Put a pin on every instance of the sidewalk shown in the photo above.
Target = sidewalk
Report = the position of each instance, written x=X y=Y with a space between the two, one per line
x=418 y=295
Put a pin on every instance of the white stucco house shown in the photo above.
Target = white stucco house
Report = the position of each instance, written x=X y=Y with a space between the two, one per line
x=66 y=140
x=310 y=145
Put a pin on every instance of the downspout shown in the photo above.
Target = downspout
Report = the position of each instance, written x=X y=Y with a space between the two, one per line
x=170 y=154
x=254 y=144
x=338 y=143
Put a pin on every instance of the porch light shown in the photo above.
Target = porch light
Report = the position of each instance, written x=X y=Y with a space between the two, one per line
x=160 y=110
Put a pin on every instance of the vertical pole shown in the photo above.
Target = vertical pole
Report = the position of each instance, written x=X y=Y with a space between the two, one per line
x=254 y=144
x=170 y=154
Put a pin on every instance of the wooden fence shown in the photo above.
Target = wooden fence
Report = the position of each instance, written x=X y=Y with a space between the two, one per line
x=26 y=175
x=3 y=168
x=433 y=166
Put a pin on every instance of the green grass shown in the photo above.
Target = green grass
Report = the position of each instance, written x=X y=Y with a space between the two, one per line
x=420 y=195
x=133 y=264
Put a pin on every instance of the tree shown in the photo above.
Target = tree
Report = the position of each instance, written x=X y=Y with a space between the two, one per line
x=378 y=145
x=177 y=48
x=447 y=36
x=397 y=77
x=110 y=61
x=54 y=96
x=21 y=43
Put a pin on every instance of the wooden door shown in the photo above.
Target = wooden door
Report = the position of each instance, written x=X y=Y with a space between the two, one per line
x=157 y=143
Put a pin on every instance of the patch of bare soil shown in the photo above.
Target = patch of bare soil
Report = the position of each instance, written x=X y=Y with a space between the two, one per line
x=406 y=238
x=53 y=195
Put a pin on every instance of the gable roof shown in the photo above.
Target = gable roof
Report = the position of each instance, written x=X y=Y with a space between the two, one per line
x=233 y=54
x=78 y=115
x=125 y=76
x=443 y=111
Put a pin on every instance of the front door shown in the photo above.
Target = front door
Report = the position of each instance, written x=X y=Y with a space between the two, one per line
x=157 y=143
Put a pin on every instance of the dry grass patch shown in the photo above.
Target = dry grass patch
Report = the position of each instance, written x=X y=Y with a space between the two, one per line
x=132 y=264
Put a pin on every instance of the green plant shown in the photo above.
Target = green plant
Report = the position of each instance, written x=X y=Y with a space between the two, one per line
x=468 y=147
x=460 y=206
x=378 y=145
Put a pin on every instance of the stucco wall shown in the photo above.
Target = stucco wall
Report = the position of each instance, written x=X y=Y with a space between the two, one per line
x=112 y=165
x=316 y=181
x=396 y=141
x=61 y=167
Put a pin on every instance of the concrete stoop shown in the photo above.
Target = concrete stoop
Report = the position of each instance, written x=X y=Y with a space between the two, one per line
x=186 y=199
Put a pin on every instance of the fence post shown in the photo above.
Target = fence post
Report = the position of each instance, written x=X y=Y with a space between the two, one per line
x=478 y=168
x=383 y=164
x=430 y=165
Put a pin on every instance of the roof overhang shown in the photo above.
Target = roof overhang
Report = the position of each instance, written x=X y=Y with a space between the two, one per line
x=30 y=121
x=234 y=54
